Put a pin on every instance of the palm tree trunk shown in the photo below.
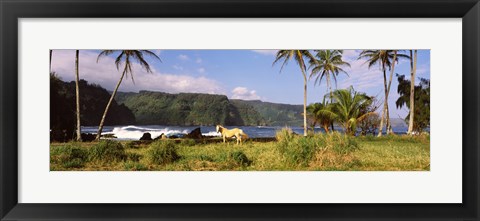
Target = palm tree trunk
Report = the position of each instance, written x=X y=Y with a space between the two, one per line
x=304 y=103
x=385 y=103
x=77 y=96
x=331 y=96
x=389 y=125
x=100 y=127
x=413 y=64
x=50 y=61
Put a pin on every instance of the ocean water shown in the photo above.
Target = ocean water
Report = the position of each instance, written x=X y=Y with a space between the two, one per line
x=132 y=132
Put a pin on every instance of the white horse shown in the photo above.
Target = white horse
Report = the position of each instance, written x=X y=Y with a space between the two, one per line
x=226 y=133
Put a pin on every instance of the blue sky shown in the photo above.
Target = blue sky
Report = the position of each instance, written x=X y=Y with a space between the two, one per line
x=241 y=74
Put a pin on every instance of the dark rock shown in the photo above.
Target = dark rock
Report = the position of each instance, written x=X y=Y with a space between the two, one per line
x=88 y=137
x=173 y=137
x=146 y=136
x=195 y=134
x=109 y=136
x=161 y=137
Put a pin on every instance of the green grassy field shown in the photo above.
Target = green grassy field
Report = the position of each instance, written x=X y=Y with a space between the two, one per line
x=323 y=152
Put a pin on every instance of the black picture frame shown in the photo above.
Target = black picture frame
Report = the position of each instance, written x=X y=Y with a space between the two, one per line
x=12 y=10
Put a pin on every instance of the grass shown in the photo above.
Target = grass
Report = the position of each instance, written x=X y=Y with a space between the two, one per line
x=322 y=152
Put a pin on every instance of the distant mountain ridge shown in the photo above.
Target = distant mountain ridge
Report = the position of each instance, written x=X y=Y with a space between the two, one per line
x=187 y=109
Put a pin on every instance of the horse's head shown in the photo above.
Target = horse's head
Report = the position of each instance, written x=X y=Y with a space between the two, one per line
x=218 y=128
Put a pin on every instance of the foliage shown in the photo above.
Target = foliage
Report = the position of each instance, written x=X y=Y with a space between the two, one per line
x=240 y=158
x=285 y=135
x=422 y=102
x=370 y=123
x=327 y=63
x=62 y=110
x=162 y=152
x=69 y=156
x=107 y=151
x=93 y=97
x=347 y=108
x=332 y=151
x=187 y=109
x=272 y=114
x=300 y=57
x=317 y=115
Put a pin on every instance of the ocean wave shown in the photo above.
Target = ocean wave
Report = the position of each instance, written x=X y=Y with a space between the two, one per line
x=212 y=133
x=135 y=132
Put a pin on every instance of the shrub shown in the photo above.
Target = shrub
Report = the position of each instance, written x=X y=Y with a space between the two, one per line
x=69 y=156
x=240 y=158
x=132 y=145
x=298 y=150
x=135 y=157
x=162 y=152
x=135 y=166
x=285 y=135
x=188 y=142
x=108 y=151
x=340 y=143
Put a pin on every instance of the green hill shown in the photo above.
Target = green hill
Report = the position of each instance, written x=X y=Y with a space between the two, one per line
x=274 y=114
x=186 y=109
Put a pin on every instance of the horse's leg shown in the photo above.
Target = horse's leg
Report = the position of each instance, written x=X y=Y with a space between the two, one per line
x=239 y=138
x=224 y=138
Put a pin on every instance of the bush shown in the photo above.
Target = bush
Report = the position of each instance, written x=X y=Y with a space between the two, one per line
x=285 y=135
x=108 y=151
x=135 y=157
x=69 y=156
x=240 y=158
x=188 y=142
x=162 y=152
x=132 y=145
x=134 y=166
x=340 y=143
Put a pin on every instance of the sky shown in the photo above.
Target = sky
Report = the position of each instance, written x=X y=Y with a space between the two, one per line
x=238 y=74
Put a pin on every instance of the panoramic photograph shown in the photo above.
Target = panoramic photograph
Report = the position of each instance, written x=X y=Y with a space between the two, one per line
x=240 y=110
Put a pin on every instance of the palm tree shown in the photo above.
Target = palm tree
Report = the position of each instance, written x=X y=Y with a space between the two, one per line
x=328 y=63
x=315 y=112
x=299 y=56
x=347 y=108
x=127 y=57
x=77 y=96
x=386 y=59
x=413 y=67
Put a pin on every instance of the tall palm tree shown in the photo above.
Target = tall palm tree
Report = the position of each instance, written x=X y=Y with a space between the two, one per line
x=328 y=63
x=413 y=66
x=77 y=97
x=386 y=59
x=348 y=108
x=299 y=56
x=127 y=57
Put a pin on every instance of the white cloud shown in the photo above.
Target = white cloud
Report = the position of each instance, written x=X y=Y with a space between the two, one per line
x=201 y=70
x=361 y=77
x=423 y=69
x=266 y=52
x=177 y=67
x=105 y=74
x=183 y=57
x=198 y=61
x=244 y=94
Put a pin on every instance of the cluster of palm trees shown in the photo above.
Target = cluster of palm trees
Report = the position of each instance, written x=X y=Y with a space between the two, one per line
x=127 y=57
x=346 y=105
